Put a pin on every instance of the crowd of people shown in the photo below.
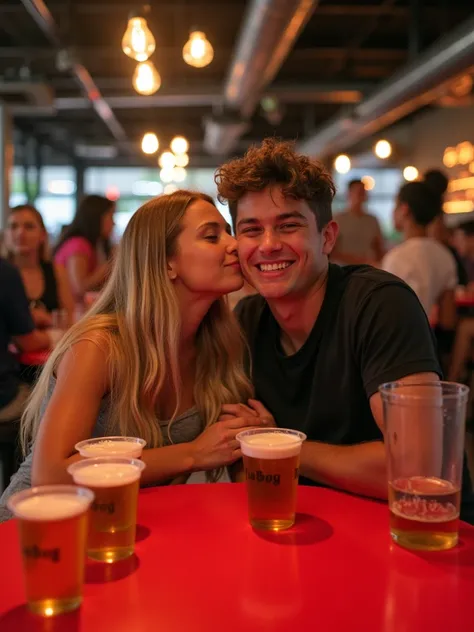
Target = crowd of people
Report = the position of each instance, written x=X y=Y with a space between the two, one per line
x=161 y=355
x=436 y=261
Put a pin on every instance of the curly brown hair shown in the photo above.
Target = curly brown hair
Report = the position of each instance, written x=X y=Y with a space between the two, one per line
x=276 y=162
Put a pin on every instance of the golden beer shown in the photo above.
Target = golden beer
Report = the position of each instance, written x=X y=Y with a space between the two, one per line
x=115 y=482
x=271 y=461
x=130 y=447
x=52 y=523
x=424 y=513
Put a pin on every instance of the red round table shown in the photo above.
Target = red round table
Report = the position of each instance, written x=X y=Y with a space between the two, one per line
x=34 y=358
x=199 y=567
x=466 y=300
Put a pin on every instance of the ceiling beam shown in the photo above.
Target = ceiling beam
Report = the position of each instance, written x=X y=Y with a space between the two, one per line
x=108 y=52
x=338 y=10
x=98 y=8
x=45 y=20
x=339 y=92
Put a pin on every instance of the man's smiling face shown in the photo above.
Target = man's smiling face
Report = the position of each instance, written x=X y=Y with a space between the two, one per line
x=281 y=250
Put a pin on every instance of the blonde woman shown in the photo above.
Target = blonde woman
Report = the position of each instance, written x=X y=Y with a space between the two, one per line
x=157 y=356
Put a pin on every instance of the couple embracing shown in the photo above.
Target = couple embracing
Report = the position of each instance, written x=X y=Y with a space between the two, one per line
x=161 y=356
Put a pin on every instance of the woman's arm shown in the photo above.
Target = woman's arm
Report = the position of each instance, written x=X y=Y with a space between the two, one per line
x=71 y=412
x=65 y=297
x=81 y=279
x=82 y=381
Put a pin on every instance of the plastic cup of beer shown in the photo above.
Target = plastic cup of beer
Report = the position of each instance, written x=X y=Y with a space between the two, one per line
x=115 y=482
x=52 y=522
x=271 y=460
x=131 y=447
x=424 y=438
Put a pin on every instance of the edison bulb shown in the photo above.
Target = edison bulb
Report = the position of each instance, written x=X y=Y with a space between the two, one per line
x=383 y=149
x=182 y=160
x=410 y=173
x=179 y=145
x=150 y=143
x=146 y=78
x=342 y=164
x=167 y=160
x=138 y=41
x=198 y=51
x=179 y=174
x=166 y=175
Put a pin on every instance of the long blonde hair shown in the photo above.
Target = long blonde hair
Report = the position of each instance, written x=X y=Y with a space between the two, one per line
x=138 y=319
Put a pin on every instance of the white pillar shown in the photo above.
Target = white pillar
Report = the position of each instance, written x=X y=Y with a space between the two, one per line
x=6 y=163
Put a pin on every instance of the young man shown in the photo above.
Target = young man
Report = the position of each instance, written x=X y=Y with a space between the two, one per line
x=322 y=337
x=16 y=325
x=360 y=238
x=421 y=261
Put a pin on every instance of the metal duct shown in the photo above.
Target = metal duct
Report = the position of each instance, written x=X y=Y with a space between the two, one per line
x=45 y=20
x=414 y=86
x=269 y=31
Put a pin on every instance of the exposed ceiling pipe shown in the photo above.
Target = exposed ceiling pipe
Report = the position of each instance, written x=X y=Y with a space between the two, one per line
x=414 y=86
x=269 y=31
x=45 y=20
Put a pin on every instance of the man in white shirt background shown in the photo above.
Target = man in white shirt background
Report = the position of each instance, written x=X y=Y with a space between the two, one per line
x=425 y=264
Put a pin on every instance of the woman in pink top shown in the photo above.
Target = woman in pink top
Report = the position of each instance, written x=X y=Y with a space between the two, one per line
x=83 y=240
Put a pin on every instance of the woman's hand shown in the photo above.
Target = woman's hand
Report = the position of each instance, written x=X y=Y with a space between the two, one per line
x=217 y=445
x=254 y=410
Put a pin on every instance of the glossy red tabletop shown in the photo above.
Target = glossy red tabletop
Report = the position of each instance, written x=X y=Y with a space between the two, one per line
x=466 y=300
x=34 y=358
x=199 y=567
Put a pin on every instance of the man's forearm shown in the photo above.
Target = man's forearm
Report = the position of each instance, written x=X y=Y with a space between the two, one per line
x=360 y=469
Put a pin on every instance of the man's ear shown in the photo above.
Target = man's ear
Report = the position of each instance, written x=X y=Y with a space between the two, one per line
x=330 y=233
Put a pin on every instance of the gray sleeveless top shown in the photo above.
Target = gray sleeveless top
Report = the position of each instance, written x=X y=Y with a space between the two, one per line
x=184 y=429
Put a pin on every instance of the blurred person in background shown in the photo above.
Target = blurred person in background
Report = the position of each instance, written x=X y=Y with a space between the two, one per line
x=46 y=283
x=156 y=357
x=85 y=242
x=16 y=327
x=438 y=184
x=463 y=239
x=425 y=264
x=360 y=239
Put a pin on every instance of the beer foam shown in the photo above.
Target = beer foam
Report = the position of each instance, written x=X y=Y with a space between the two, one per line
x=109 y=447
x=106 y=474
x=271 y=445
x=54 y=506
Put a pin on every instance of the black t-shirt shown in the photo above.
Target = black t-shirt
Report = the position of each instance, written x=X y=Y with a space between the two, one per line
x=15 y=320
x=371 y=329
x=49 y=298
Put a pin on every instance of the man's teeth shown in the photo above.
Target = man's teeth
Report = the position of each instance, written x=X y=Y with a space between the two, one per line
x=269 y=267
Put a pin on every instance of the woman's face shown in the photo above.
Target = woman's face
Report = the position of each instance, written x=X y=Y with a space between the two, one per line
x=24 y=233
x=107 y=223
x=206 y=262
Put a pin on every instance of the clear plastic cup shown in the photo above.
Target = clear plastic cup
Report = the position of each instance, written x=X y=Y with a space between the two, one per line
x=115 y=482
x=424 y=438
x=52 y=523
x=271 y=459
x=131 y=447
